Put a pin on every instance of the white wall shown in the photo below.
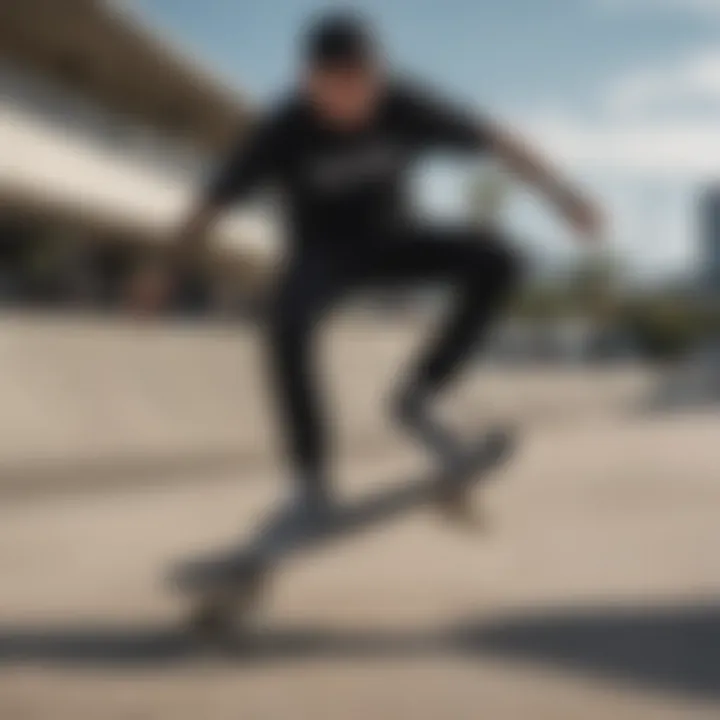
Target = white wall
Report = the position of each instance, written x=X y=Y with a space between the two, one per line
x=58 y=150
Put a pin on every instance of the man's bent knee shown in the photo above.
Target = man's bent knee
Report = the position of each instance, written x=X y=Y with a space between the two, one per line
x=494 y=263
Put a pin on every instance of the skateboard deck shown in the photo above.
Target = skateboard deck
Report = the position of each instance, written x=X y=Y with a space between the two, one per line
x=226 y=571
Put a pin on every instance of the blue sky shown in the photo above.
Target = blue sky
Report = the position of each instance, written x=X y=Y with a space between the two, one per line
x=624 y=94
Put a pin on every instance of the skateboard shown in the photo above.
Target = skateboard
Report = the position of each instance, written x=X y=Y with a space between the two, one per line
x=225 y=587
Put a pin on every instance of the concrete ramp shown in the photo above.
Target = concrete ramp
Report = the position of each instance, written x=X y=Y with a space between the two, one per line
x=85 y=401
x=91 y=396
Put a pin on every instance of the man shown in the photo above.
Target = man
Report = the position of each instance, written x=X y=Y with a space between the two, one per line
x=339 y=151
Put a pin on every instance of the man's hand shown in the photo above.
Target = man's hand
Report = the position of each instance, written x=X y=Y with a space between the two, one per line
x=150 y=289
x=583 y=215
x=155 y=285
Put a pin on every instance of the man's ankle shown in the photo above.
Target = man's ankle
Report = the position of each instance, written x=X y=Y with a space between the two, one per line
x=412 y=399
x=312 y=491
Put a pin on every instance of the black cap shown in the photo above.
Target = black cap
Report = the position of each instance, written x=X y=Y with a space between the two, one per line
x=340 y=39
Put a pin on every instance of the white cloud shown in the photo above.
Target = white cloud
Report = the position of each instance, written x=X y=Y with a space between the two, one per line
x=680 y=150
x=661 y=120
x=645 y=146
x=669 y=88
x=653 y=140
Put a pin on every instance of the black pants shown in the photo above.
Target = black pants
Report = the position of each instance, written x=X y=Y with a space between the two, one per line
x=475 y=264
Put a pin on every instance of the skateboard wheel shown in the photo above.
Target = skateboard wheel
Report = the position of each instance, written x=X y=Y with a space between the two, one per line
x=217 y=615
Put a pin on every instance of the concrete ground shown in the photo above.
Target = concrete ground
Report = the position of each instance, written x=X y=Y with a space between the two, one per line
x=592 y=592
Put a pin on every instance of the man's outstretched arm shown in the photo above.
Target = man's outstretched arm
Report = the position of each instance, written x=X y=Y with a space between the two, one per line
x=250 y=163
x=527 y=164
x=452 y=126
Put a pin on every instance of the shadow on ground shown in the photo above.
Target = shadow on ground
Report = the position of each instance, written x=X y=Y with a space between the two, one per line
x=675 y=649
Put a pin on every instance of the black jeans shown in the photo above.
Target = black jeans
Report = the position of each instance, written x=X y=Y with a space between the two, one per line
x=476 y=264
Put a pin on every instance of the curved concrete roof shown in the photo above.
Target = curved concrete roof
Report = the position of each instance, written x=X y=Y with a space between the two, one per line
x=105 y=52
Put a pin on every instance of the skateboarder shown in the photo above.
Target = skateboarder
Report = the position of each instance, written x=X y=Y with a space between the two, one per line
x=339 y=150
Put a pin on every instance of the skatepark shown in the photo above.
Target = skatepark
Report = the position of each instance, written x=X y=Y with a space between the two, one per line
x=589 y=590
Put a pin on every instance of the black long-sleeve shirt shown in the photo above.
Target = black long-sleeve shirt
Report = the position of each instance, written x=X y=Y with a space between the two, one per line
x=339 y=186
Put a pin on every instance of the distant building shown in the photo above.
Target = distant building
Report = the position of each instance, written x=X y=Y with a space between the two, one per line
x=710 y=241
x=105 y=131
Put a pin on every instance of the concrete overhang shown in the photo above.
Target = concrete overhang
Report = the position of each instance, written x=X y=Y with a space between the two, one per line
x=103 y=51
